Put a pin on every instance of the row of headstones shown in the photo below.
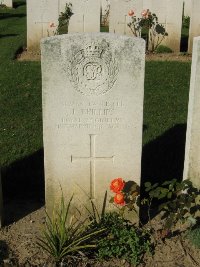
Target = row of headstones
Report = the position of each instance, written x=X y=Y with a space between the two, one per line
x=93 y=87
x=42 y=18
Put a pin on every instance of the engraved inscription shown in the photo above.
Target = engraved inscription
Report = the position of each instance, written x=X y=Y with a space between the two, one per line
x=92 y=159
x=95 y=115
x=93 y=70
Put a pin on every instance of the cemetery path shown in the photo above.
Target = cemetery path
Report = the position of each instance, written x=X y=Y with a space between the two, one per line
x=18 y=248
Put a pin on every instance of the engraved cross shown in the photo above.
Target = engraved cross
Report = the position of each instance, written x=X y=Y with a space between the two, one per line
x=124 y=23
x=92 y=160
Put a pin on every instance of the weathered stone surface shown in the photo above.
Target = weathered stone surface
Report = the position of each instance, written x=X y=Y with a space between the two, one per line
x=92 y=113
x=194 y=30
x=86 y=17
x=192 y=150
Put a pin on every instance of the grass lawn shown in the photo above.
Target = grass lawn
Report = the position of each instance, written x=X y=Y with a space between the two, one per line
x=165 y=102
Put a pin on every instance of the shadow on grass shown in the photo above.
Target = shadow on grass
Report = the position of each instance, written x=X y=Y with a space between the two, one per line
x=10 y=15
x=163 y=160
x=23 y=187
x=16 y=4
x=8 y=35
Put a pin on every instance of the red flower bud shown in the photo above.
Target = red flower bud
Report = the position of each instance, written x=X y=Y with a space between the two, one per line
x=119 y=199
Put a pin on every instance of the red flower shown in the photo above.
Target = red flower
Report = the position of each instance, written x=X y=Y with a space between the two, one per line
x=117 y=185
x=131 y=12
x=119 y=199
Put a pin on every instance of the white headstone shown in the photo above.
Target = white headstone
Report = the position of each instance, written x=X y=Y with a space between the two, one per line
x=8 y=3
x=93 y=88
x=192 y=150
x=169 y=13
x=42 y=21
x=194 y=30
x=147 y=4
x=174 y=24
x=187 y=8
x=86 y=17
x=119 y=17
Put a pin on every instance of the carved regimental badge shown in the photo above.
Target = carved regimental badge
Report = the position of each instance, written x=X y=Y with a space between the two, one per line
x=93 y=70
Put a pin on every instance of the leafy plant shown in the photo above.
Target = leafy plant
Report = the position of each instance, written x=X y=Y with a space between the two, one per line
x=63 y=20
x=95 y=216
x=181 y=201
x=2 y=5
x=65 y=236
x=194 y=236
x=149 y=23
x=186 y=22
x=122 y=240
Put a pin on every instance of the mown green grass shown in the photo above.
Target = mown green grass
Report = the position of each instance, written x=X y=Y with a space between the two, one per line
x=166 y=97
x=165 y=100
x=20 y=90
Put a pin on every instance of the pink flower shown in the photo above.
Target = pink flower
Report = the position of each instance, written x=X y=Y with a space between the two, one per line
x=131 y=12
x=51 y=25
x=145 y=13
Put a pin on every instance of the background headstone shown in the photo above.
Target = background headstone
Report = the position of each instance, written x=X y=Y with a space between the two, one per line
x=174 y=24
x=192 y=150
x=8 y=3
x=187 y=8
x=86 y=17
x=42 y=21
x=93 y=88
x=147 y=4
x=194 y=30
x=119 y=17
x=169 y=13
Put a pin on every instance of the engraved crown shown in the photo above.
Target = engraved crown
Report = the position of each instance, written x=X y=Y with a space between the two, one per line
x=93 y=50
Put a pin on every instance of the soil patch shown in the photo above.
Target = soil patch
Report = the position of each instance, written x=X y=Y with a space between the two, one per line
x=18 y=248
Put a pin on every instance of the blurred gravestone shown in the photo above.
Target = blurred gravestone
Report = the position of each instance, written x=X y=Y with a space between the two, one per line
x=86 y=16
x=119 y=17
x=42 y=21
x=8 y=3
x=192 y=150
x=172 y=22
x=194 y=29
